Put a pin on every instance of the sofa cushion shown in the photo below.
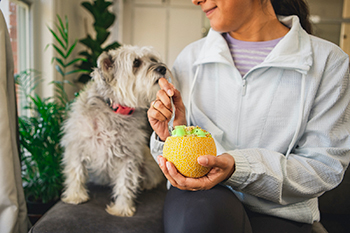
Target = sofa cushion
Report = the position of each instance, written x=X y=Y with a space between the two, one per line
x=92 y=217
x=337 y=201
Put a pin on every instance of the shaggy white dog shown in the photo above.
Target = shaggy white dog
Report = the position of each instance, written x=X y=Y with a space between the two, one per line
x=104 y=135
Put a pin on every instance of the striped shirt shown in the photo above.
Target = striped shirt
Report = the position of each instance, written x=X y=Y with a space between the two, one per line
x=248 y=54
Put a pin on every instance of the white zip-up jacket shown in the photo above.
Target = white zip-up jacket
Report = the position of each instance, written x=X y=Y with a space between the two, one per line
x=286 y=122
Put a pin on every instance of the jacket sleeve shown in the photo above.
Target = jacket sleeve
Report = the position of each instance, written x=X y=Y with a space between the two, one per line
x=156 y=146
x=320 y=157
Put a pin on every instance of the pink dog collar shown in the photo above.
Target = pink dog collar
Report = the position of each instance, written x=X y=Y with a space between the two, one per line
x=124 y=110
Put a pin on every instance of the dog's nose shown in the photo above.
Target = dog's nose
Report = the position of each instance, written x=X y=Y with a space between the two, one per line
x=161 y=70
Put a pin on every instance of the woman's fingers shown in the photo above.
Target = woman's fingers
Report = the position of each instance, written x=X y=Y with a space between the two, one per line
x=222 y=167
x=166 y=86
x=154 y=114
x=164 y=166
x=161 y=111
x=163 y=104
x=168 y=90
x=177 y=179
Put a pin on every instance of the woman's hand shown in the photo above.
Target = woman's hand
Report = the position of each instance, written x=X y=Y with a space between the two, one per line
x=160 y=111
x=222 y=167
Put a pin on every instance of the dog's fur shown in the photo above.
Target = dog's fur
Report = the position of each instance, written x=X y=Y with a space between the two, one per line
x=110 y=147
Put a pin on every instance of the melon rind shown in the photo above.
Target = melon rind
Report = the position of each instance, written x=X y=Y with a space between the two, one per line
x=184 y=151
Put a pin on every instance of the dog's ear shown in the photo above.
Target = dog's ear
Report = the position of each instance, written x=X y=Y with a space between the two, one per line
x=105 y=65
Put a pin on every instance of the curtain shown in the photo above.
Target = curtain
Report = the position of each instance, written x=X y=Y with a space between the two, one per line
x=13 y=211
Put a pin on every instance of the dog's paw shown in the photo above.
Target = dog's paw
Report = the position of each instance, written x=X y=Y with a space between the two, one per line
x=121 y=210
x=75 y=198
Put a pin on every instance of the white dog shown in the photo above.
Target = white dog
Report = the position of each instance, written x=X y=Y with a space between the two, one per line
x=104 y=135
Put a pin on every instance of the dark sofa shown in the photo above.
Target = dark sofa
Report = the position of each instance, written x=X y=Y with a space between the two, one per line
x=91 y=217
x=335 y=207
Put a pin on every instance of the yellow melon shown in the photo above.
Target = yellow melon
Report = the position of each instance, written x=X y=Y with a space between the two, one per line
x=183 y=152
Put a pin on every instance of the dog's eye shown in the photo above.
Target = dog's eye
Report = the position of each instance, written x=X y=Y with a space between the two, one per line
x=137 y=63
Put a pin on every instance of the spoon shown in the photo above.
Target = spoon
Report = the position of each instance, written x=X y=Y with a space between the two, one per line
x=171 y=122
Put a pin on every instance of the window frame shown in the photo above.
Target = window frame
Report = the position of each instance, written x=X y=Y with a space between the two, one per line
x=24 y=45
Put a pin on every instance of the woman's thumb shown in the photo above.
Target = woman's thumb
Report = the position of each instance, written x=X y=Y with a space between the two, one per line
x=206 y=160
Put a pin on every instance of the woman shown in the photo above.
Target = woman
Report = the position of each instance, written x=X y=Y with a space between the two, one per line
x=276 y=101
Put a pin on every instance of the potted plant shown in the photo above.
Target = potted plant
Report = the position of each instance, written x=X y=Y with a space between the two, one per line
x=40 y=130
x=103 y=19
x=41 y=154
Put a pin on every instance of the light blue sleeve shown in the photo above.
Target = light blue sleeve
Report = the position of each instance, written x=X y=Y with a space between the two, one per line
x=156 y=146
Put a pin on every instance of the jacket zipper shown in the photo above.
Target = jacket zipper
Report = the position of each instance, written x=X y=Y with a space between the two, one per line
x=238 y=131
x=244 y=87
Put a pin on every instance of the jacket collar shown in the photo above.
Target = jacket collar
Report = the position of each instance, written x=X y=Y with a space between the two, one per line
x=214 y=50
x=294 y=51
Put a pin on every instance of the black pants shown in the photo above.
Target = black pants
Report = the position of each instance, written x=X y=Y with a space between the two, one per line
x=219 y=210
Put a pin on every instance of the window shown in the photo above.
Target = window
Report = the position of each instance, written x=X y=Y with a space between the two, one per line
x=16 y=15
x=17 y=19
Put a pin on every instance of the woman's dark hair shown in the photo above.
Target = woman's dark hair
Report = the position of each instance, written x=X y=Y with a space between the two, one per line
x=294 y=7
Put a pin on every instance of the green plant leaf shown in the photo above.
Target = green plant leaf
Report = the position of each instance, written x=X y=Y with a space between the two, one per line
x=59 y=61
x=76 y=71
x=101 y=35
x=102 y=4
x=27 y=81
x=59 y=51
x=85 y=53
x=58 y=68
x=112 y=46
x=89 y=7
x=71 y=48
x=103 y=19
x=85 y=66
x=75 y=61
x=57 y=38
x=106 y=20
x=90 y=43
x=64 y=29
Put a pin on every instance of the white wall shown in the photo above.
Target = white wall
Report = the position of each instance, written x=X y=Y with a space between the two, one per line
x=43 y=16
x=329 y=12
x=167 y=25
x=5 y=10
x=80 y=21
x=80 y=24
